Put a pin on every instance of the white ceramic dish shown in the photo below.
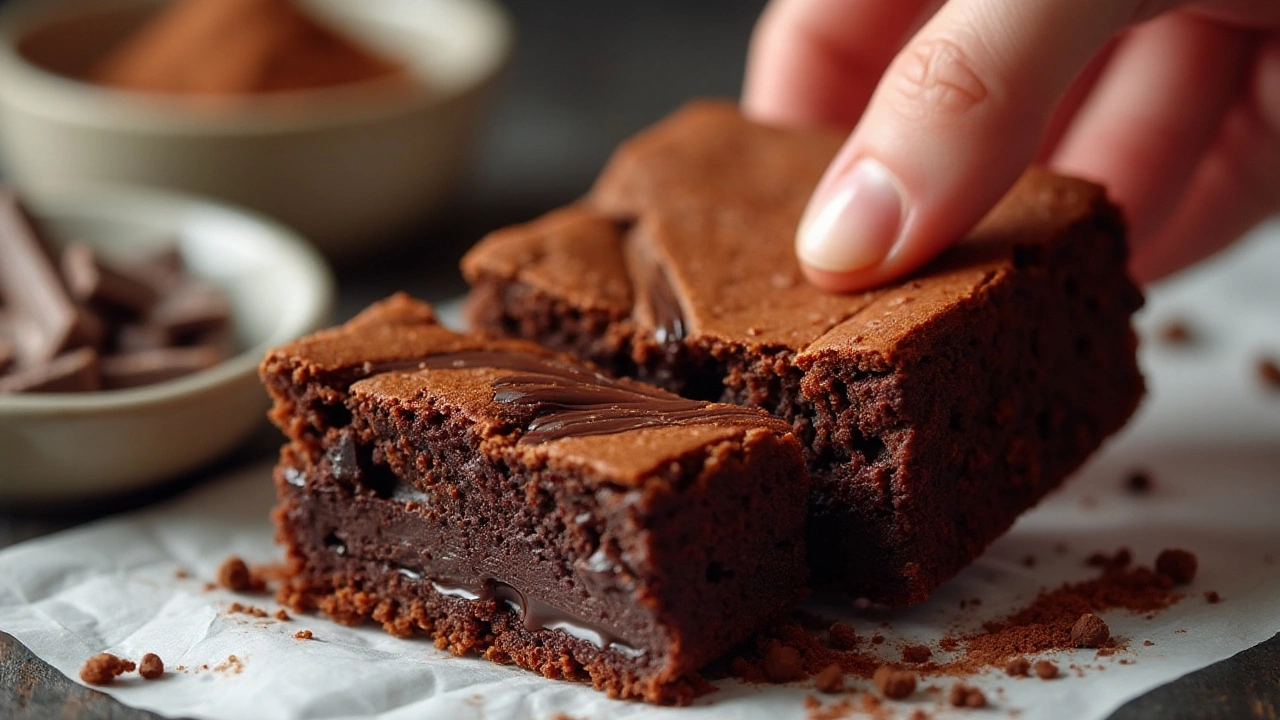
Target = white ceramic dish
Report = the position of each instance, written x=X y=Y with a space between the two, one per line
x=349 y=167
x=80 y=445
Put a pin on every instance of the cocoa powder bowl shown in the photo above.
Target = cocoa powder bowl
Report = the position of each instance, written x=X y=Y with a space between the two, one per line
x=351 y=167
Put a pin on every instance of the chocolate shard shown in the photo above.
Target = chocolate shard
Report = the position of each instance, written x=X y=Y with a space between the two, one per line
x=140 y=337
x=149 y=367
x=32 y=288
x=191 y=308
x=163 y=269
x=95 y=283
x=6 y=343
x=76 y=371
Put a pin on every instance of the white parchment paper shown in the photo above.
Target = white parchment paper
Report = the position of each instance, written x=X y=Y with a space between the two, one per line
x=1209 y=435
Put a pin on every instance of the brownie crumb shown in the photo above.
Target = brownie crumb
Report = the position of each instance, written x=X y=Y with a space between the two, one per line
x=151 y=666
x=967 y=696
x=916 y=654
x=1110 y=563
x=1046 y=670
x=877 y=639
x=1018 y=667
x=1177 y=332
x=103 y=668
x=1090 y=631
x=782 y=664
x=1212 y=597
x=234 y=575
x=842 y=637
x=1269 y=373
x=235 y=607
x=1177 y=565
x=830 y=679
x=1147 y=643
x=302 y=635
x=919 y=715
x=282 y=615
x=1138 y=483
x=182 y=573
x=893 y=683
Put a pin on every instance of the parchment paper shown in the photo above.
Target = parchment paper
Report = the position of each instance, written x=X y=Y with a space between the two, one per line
x=1209 y=435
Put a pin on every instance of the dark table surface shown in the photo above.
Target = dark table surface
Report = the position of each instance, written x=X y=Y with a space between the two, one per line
x=585 y=75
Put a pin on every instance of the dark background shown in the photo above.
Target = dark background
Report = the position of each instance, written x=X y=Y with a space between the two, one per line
x=585 y=75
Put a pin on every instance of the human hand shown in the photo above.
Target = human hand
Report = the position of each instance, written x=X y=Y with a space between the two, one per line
x=1173 y=105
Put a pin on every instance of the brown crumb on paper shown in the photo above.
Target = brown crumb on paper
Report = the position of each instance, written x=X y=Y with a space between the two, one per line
x=151 y=667
x=1046 y=670
x=1212 y=597
x=1139 y=483
x=234 y=575
x=1177 y=332
x=1090 y=631
x=302 y=635
x=842 y=637
x=232 y=665
x=830 y=679
x=103 y=668
x=1018 y=667
x=1269 y=373
x=894 y=683
x=282 y=615
x=967 y=696
x=782 y=664
x=916 y=654
x=1177 y=565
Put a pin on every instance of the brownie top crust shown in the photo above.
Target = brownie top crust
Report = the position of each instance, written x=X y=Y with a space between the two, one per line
x=689 y=233
x=526 y=402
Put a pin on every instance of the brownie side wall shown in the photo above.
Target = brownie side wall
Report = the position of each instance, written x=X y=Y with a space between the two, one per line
x=1050 y=352
x=647 y=557
x=360 y=583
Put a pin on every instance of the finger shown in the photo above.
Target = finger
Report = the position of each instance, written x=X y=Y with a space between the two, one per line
x=816 y=62
x=1236 y=186
x=954 y=121
x=1155 y=112
x=1064 y=113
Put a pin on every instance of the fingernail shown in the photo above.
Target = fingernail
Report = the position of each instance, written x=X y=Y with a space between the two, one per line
x=856 y=222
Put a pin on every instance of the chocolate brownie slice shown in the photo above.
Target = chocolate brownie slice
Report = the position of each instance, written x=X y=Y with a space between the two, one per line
x=521 y=505
x=932 y=412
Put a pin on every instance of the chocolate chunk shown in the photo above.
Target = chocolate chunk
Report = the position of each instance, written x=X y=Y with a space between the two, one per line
x=1212 y=597
x=132 y=337
x=191 y=308
x=1090 y=631
x=151 y=667
x=51 y=323
x=1046 y=670
x=93 y=282
x=153 y=366
x=830 y=679
x=76 y=371
x=893 y=683
x=164 y=269
x=1177 y=565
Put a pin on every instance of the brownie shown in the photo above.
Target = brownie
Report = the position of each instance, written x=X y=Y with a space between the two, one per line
x=932 y=411
x=521 y=505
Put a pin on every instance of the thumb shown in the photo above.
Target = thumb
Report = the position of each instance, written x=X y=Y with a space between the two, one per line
x=953 y=123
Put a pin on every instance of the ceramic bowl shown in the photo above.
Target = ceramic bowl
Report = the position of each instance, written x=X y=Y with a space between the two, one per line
x=81 y=445
x=351 y=167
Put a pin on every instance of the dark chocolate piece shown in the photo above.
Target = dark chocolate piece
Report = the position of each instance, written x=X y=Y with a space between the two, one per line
x=149 y=367
x=933 y=411
x=521 y=505
x=92 y=282
x=30 y=284
x=76 y=371
x=190 y=308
